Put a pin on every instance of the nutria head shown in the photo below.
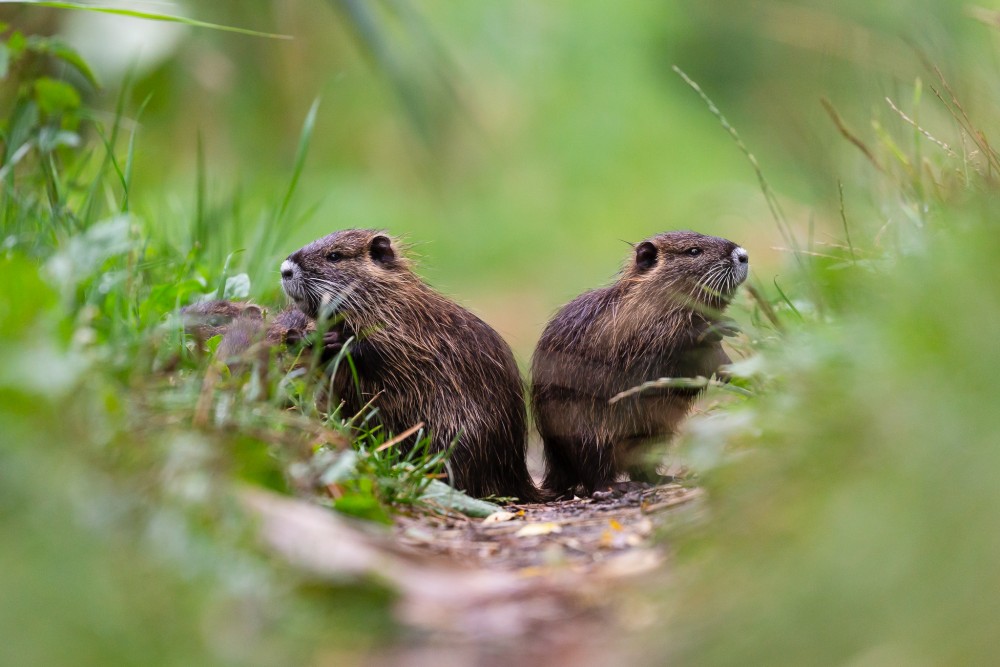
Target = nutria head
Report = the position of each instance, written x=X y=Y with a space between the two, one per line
x=687 y=268
x=347 y=272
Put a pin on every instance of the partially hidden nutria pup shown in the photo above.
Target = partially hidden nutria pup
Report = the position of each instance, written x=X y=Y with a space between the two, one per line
x=245 y=331
x=657 y=321
x=419 y=357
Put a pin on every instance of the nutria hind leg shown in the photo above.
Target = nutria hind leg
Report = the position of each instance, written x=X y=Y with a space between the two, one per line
x=598 y=467
x=561 y=474
x=472 y=468
x=529 y=493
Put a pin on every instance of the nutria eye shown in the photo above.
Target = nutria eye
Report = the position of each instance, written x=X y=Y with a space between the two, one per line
x=693 y=252
x=334 y=257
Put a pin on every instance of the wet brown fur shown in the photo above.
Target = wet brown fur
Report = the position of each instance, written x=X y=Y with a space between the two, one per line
x=420 y=357
x=655 y=321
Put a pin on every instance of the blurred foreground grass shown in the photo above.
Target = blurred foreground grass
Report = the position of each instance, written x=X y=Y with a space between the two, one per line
x=856 y=522
x=852 y=501
x=852 y=514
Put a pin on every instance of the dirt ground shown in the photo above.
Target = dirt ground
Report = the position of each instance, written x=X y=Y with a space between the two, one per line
x=554 y=584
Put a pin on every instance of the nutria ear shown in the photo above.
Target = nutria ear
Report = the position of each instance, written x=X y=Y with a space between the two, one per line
x=381 y=250
x=645 y=255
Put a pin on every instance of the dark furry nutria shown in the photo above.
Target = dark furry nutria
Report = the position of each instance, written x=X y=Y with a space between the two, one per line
x=419 y=357
x=656 y=321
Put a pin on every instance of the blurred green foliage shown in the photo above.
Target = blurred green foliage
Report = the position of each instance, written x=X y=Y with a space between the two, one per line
x=120 y=542
x=857 y=525
x=515 y=144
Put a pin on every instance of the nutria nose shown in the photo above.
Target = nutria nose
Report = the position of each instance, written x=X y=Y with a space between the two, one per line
x=740 y=255
x=287 y=270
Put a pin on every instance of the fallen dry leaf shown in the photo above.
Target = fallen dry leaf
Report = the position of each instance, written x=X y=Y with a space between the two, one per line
x=539 y=528
x=499 y=517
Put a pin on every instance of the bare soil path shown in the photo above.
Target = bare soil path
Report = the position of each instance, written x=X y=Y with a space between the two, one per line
x=552 y=584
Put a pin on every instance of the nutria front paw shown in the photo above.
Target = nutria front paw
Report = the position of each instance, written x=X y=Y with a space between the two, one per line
x=330 y=343
x=333 y=343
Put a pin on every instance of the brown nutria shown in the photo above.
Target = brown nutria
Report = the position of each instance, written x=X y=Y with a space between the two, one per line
x=418 y=357
x=244 y=328
x=659 y=319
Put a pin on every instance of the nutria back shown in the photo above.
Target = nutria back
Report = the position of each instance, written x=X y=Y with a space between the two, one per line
x=657 y=320
x=419 y=357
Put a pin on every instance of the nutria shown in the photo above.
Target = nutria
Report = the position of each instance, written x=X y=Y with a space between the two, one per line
x=246 y=332
x=659 y=319
x=418 y=357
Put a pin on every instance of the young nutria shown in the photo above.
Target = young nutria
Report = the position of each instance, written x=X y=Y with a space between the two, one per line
x=419 y=357
x=243 y=328
x=658 y=320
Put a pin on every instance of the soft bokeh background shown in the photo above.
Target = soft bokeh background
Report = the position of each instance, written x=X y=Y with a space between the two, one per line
x=517 y=145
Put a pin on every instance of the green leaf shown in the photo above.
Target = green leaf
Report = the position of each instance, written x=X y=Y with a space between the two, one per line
x=50 y=138
x=21 y=126
x=64 y=52
x=55 y=97
x=364 y=506
x=441 y=494
x=237 y=287
x=255 y=463
x=4 y=60
x=23 y=300
x=343 y=468
x=167 y=297
x=86 y=253
x=17 y=43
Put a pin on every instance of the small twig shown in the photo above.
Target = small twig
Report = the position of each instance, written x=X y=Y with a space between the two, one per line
x=921 y=130
x=203 y=407
x=803 y=252
x=680 y=499
x=681 y=383
x=963 y=119
x=399 y=438
x=364 y=407
x=843 y=218
x=328 y=436
x=769 y=196
x=833 y=244
x=847 y=134
x=766 y=308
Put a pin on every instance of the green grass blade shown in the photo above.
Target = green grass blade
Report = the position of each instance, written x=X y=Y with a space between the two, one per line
x=788 y=302
x=151 y=16
x=130 y=156
x=769 y=196
x=300 y=157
